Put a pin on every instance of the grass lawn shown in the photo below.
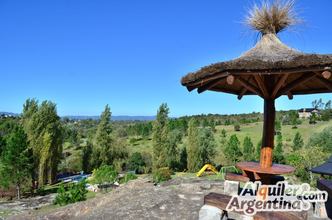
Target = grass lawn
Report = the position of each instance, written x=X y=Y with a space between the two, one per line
x=253 y=130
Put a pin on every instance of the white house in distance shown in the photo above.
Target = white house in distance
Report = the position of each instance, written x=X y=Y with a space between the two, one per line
x=307 y=112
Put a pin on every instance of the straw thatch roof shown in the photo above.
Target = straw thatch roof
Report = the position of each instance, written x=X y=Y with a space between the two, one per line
x=288 y=71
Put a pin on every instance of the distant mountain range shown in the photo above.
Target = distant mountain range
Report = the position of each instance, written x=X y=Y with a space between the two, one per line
x=114 y=118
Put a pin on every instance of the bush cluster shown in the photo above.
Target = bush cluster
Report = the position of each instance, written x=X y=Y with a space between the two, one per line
x=75 y=192
x=127 y=177
x=161 y=175
x=104 y=174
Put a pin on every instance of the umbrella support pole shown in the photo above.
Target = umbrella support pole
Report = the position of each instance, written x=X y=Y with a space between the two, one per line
x=268 y=133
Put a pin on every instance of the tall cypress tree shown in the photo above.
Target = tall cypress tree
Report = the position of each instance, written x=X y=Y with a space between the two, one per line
x=160 y=137
x=174 y=137
x=86 y=157
x=258 y=150
x=232 y=151
x=248 y=149
x=278 y=154
x=183 y=163
x=206 y=145
x=297 y=142
x=103 y=142
x=193 y=146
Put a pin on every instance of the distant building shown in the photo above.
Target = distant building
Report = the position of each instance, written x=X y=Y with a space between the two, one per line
x=307 y=112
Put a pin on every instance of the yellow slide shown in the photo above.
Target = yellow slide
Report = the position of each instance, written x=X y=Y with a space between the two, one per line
x=207 y=167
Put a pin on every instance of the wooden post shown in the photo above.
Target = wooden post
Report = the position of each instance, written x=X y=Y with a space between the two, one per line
x=268 y=133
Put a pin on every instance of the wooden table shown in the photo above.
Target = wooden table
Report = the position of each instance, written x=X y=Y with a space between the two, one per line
x=255 y=172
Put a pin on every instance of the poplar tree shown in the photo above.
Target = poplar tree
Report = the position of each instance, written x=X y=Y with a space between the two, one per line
x=45 y=135
x=160 y=137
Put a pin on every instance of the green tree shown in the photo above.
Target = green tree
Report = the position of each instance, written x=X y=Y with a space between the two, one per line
x=104 y=174
x=86 y=157
x=232 y=151
x=323 y=140
x=248 y=149
x=45 y=135
x=258 y=150
x=183 y=159
x=136 y=163
x=297 y=142
x=2 y=144
x=160 y=137
x=174 y=138
x=193 y=146
x=277 y=127
x=223 y=137
x=16 y=160
x=278 y=153
x=305 y=159
x=206 y=145
x=313 y=118
x=237 y=127
x=103 y=142
x=293 y=116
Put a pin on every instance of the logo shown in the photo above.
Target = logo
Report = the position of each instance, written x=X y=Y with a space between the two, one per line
x=256 y=197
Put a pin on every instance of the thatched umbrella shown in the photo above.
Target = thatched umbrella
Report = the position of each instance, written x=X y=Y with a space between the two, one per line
x=271 y=69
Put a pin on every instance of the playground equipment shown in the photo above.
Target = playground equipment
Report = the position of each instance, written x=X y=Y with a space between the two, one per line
x=222 y=171
x=207 y=167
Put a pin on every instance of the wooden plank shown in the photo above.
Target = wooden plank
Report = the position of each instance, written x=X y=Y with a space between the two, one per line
x=249 y=86
x=327 y=83
x=302 y=79
x=201 y=82
x=236 y=177
x=290 y=95
x=261 y=85
x=243 y=91
x=279 y=84
x=209 y=85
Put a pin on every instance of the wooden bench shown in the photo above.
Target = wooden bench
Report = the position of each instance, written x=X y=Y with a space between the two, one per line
x=221 y=201
x=236 y=177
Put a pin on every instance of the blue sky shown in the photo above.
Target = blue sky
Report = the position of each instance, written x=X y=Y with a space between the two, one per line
x=132 y=54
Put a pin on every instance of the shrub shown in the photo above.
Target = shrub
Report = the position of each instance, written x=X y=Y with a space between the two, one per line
x=322 y=139
x=78 y=192
x=136 y=163
x=104 y=174
x=297 y=142
x=62 y=197
x=161 y=175
x=128 y=177
x=237 y=127
x=74 y=193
